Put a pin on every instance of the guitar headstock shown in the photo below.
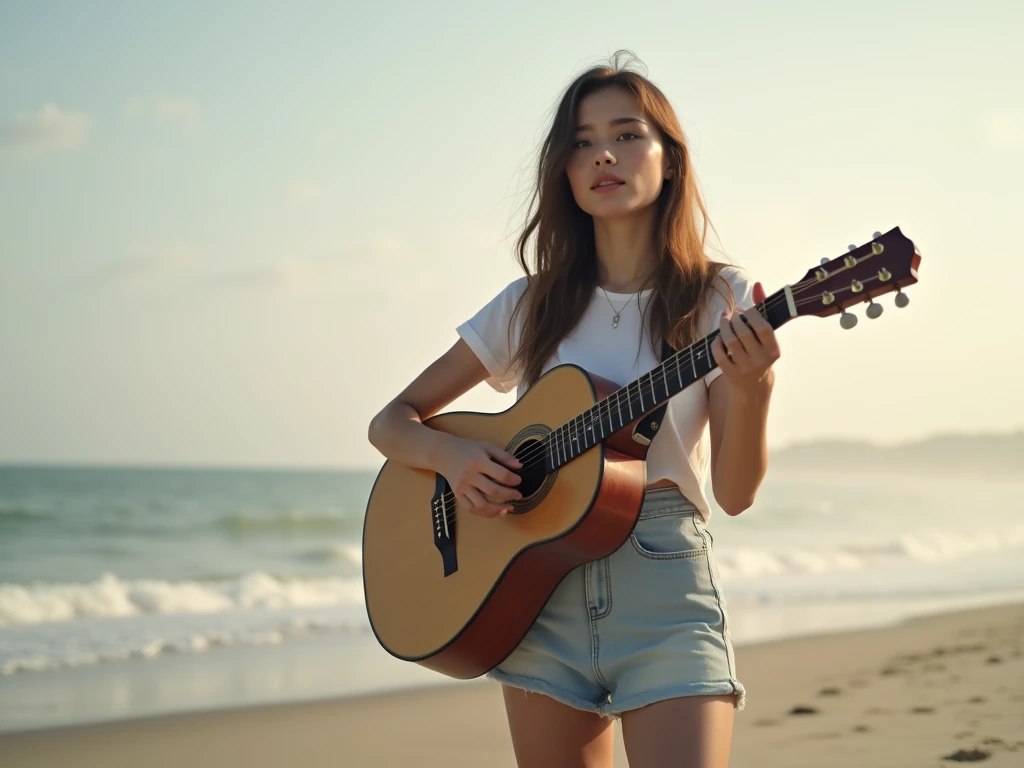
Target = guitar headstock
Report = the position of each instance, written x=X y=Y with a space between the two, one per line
x=885 y=264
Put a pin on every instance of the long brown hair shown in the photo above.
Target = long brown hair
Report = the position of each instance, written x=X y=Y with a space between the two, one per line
x=562 y=277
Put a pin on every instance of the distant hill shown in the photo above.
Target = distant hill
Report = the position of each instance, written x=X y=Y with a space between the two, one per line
x=980 y=454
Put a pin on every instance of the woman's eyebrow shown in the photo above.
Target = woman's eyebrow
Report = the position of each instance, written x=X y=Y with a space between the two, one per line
x=616 y=121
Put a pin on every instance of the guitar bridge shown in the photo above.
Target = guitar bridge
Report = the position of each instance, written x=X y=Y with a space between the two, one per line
x=442 y=506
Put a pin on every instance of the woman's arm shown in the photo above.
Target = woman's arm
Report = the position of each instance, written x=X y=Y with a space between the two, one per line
x=471 y=468
x=738 y=403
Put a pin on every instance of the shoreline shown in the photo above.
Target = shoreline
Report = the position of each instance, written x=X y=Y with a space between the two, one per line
x=331 y=666
x=902 y=695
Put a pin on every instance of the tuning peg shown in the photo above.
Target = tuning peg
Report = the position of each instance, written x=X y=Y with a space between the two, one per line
x=901 y=299
x=824 y=260
x=847 y=320
x=876 y=235
x=874 y=311
x=851 y=247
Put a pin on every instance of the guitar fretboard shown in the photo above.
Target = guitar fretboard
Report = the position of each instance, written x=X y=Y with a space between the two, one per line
x=642 y=396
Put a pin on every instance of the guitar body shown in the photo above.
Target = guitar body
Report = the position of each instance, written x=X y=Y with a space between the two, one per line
x=461 y=612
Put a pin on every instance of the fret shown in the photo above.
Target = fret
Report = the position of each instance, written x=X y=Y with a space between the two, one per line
x=589 y=428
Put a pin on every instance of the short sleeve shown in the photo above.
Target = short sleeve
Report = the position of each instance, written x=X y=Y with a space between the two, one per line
x=742 y=287
x=487 y=334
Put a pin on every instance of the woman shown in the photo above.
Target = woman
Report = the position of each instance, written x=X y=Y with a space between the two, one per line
x=618 y=265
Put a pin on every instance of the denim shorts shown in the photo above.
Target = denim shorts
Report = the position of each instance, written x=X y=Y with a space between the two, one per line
x=645 y=624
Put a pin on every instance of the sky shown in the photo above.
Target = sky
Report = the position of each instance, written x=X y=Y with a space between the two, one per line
x=231 y=232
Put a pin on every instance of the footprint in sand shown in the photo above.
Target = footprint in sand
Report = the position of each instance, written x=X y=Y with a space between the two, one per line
x=829 y=692
x=968 y=756
x=923 y=710
x=801 y=710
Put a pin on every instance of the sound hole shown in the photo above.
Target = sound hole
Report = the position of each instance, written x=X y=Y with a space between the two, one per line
x=530 y=453
x=527 y=447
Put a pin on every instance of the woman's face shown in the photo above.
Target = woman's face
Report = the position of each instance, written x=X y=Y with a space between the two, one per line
x=615 y=144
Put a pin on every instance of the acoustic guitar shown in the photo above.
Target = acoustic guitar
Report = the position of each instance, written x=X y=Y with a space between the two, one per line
x=456 y=592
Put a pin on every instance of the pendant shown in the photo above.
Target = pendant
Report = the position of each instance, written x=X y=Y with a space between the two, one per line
x=615 y=322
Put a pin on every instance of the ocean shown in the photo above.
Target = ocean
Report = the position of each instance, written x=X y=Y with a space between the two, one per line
x=130 y=591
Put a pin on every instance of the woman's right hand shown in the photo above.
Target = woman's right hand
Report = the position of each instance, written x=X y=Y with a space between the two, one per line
x=480 y=475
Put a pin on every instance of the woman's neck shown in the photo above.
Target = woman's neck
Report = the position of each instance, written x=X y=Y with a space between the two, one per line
x=625 y=251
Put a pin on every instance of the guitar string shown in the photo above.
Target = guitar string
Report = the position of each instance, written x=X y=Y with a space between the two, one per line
x=449 y=496
x=685 y=356
x=626 y=401
x=537 y=453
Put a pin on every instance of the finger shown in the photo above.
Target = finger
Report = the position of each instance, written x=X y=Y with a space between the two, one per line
x=497 y=492
x=504 y=457
x=762 y=329
x=499 y=473
x=718 y=351
x=744 y=335
x=759 y=294
x=753 y=317
x=728 y=337
x=480 y=506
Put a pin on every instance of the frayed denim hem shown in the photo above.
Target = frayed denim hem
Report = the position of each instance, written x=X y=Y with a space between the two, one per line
x=613 y=709
x=533 y=685
x=723 y=688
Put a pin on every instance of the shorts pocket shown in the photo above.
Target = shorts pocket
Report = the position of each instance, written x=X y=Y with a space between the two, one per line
x=668 y=536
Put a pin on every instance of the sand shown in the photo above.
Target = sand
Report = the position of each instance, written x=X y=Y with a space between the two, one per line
x=936 y=691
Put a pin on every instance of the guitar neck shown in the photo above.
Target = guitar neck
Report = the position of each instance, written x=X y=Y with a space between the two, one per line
x=627 y=404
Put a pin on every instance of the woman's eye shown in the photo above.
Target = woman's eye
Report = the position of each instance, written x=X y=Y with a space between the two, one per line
x=581 y=143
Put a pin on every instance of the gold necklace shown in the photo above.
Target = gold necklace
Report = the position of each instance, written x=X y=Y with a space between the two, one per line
x=615 y=319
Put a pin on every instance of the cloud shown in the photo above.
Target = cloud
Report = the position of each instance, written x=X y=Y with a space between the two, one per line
x=1003 y=130
x=181 y=111
x=360 y=263
x=294 y=276
x=50 y=129
x=150 y=264
x=151 y=267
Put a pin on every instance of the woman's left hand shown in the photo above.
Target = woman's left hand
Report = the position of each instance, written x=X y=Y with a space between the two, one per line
x=746 y=347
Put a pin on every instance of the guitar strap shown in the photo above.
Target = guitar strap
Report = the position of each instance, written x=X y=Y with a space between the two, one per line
x=646 y=429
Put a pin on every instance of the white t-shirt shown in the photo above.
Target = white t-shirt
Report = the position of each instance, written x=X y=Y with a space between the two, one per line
x=681 y=450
